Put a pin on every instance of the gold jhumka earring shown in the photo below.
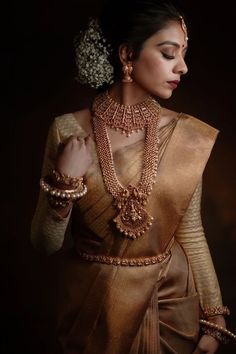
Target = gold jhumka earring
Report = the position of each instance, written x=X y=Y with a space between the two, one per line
x=127 y=70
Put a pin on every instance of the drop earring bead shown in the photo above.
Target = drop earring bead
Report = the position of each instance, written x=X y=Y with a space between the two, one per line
x=127 y=70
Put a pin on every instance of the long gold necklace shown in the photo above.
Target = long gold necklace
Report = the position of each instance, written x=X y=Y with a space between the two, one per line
x=126 y=118
x=132 y=219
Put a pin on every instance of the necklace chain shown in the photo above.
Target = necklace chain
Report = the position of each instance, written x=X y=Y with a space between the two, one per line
x=132 y=219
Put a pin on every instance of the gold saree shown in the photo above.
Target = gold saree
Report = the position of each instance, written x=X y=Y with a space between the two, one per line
x=141 y=296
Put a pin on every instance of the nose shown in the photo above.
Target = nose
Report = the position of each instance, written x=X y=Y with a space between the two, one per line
x=181 y=67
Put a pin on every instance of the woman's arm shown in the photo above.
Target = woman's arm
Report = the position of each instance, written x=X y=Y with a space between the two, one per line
x=49 y=225
x=190 y=235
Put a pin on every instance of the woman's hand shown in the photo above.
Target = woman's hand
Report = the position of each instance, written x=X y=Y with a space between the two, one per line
x=74 y=157
x=207 y=344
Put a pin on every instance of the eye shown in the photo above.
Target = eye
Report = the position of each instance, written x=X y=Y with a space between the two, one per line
x=167 y=56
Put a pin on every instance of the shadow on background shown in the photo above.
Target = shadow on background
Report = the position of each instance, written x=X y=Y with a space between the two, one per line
x=38 y=76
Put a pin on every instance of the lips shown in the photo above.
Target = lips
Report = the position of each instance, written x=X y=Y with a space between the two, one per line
x=173 y=83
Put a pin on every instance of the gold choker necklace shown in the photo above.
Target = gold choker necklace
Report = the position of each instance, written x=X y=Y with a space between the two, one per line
x=127 y=118
x=132 y=220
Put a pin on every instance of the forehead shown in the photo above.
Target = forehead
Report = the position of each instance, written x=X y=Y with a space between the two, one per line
x=172 y=32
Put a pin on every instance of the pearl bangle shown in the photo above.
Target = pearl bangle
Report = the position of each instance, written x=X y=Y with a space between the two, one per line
x=218 y=332
x=69 y=194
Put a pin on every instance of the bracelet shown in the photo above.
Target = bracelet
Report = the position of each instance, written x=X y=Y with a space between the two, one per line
x=209 y=311
x=220 y=333
x=58 y=202
x=69 y=194
x=67 y=180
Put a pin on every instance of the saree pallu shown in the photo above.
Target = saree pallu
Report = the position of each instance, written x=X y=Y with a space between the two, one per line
x=147 y=309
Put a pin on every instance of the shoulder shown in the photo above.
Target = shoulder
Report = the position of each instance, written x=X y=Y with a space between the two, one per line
x=194 y=129
x=188 y=122
x=71 y=124
x=196 y=126
x=167 y=116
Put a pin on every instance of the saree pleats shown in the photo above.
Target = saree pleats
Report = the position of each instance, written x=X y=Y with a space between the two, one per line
x=170 y=324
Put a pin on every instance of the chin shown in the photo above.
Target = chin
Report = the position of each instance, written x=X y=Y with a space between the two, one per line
x=164 y=95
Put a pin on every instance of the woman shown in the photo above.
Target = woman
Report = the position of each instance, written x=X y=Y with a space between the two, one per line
x=124 y=179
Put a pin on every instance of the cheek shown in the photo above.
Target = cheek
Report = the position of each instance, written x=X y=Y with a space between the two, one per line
x=154 y=66
x=148 y=67
x=155 y=69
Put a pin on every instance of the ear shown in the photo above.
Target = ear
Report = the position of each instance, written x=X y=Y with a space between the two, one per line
x=125 y=54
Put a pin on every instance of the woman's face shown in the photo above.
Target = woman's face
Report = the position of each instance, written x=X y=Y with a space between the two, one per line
x=161 y=64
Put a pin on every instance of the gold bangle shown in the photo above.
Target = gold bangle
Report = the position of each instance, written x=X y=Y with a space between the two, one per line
x=67 y=180
x=209 y=311
x=218 y=332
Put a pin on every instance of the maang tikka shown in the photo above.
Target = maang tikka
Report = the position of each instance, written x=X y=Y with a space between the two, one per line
x=184 y=27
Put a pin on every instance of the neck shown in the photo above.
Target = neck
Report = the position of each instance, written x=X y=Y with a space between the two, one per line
x=127 y=93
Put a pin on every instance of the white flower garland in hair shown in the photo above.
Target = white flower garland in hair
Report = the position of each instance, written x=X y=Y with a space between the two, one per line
x=91 y=56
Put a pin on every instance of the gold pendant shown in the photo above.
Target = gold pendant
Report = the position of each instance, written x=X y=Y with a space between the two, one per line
x=133 y=220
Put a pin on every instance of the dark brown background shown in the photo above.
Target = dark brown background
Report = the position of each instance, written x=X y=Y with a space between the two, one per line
x=38 y=80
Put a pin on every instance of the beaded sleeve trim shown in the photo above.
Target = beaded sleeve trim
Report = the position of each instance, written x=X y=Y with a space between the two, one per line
x=209 y=311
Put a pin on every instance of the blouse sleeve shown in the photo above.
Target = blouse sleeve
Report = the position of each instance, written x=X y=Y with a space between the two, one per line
x=48 y=228
x=190 y=235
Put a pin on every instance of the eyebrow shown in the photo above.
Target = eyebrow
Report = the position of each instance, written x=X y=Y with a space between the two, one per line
x=171 y=43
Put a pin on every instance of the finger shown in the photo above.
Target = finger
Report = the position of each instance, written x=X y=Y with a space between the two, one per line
x=87 y=138
x=81 y=140
x=198 y=351
x=88 y=141
x=71 y=143
x=64 y=143
x=68 y=139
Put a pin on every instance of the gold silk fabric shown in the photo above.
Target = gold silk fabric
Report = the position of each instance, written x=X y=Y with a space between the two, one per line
x=111 y=309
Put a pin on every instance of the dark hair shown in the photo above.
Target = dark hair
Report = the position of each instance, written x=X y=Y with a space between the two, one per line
x=132 y=22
